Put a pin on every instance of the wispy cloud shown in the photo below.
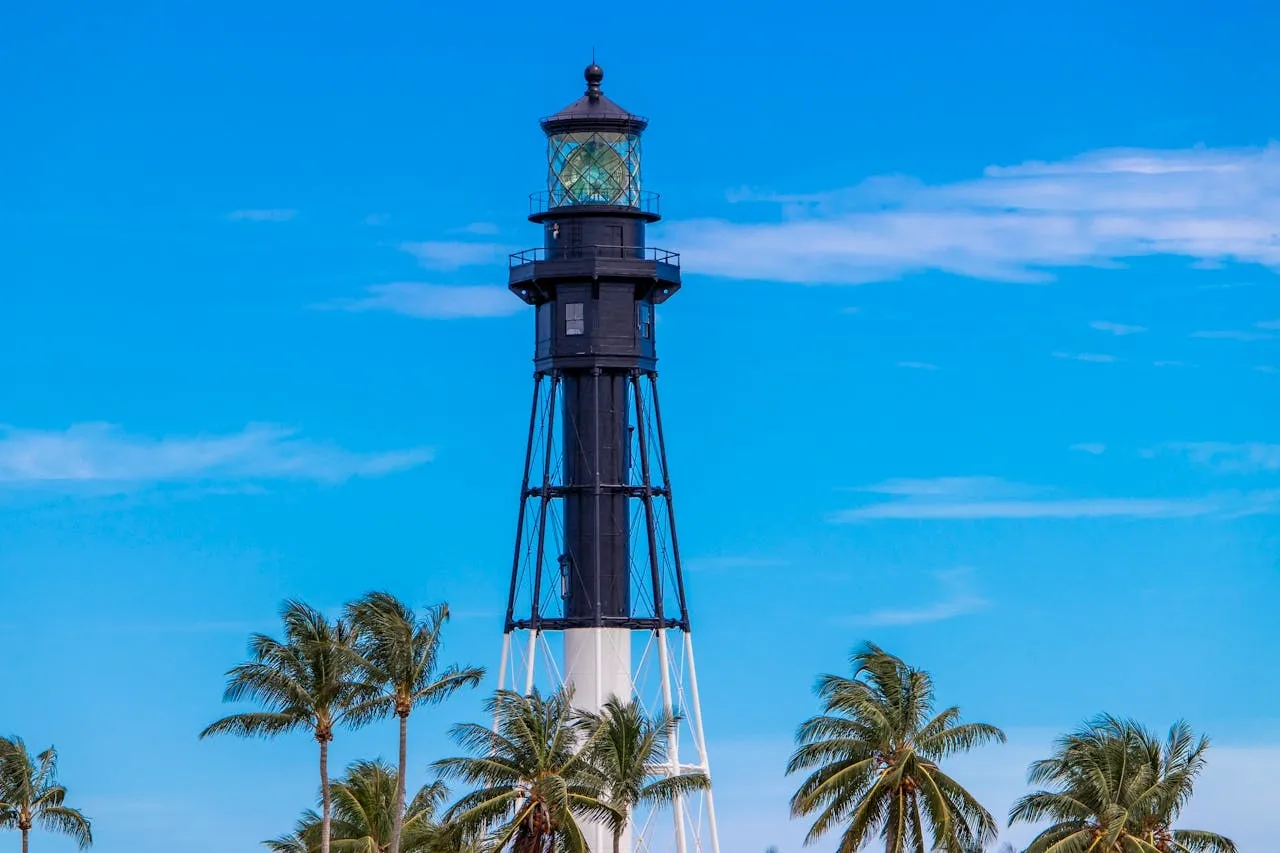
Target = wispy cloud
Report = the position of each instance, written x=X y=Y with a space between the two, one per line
x=433 y=301
x=1248 y=457
x=918 y=365
x=263 y=215
x=1097 y=448
x=1095 y=357
x=1168 y=364
x=455 y=254
x=105 y=455
x=1232 y=335
x=1012 y=224
x=483 y=228
x=959 y=600
x=992 y=498
x=377 y=219
x=1119 y=329
x=1269 y=324
x=1267 y=368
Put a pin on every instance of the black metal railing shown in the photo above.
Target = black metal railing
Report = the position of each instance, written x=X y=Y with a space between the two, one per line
x=644 y=201
x=575 y=253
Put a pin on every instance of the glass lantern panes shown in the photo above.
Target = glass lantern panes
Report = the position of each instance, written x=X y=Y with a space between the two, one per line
x=593 y=168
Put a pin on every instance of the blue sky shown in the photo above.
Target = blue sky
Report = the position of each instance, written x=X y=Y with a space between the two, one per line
x=978 y=356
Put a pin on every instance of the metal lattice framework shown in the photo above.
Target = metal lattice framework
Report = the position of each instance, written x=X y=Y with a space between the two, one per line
x=593 y=168
x=663 y=673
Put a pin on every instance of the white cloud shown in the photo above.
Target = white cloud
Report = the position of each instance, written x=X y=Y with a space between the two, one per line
x=1119 y=329
x=959 y=600
x=918 y=365
x=1095 y=357
x=1268 y=324
x=102 y=454
x=1012 y=223
x=483 y=228
x=1232 y=335
x=455 y=254
x=434 y=301
x=1248 y=457
x=1095 y=447
x=273 y=215
x=951 y=498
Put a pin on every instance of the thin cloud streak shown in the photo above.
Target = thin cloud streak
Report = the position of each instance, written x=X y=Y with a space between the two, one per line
x=432 y=301
x=269 y=215
x=918 y=365
x=1095 y=448
x=1093 y=357
x=103 y=455
x=454 y=254
x=1249 y=457
x=960 y=601
x=977 y=498
x=1014 y=223
x=1118 y=329
x=1232 y=335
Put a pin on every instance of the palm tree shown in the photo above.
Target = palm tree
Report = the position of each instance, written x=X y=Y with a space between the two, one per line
x=874 y=753
x=306 y=682
x=364 y=807
x=1118 y=789
x=30 y=795
x=630 y=752
x=400 y=653
x=534 y=780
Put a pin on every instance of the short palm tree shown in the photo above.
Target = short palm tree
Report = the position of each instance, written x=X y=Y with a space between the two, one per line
x=30 y=795
x=399 y=653
x=364 y=807
x=874 y=756
x=307 y=682
x=631 y=752
x=1118 y=789
x=533 y=780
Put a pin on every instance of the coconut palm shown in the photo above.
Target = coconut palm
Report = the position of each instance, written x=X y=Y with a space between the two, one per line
x=533 y=780
x=399 y=653
x=1118 y=789
x=30 y=795
x=874 y=756
x=364 y=806
x=630 y=751
x=307 y=682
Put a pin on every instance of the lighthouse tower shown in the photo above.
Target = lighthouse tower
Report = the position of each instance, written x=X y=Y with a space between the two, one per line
x=597 y=598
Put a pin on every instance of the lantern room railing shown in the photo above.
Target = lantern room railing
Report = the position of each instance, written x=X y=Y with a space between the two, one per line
x=643 y=201
x=573 y=253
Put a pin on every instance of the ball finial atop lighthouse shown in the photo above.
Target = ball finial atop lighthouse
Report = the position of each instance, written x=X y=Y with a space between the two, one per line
x=594 y=75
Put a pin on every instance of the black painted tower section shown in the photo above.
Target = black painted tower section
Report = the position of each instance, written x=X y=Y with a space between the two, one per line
x=594 y=284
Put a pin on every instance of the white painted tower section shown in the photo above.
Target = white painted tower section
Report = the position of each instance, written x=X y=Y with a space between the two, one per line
x=597 y=665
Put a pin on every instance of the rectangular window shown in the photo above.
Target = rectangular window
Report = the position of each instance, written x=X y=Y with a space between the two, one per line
x=574 y=324
x=646 y=320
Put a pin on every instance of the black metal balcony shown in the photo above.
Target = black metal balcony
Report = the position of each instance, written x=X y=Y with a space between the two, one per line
x=534 y=273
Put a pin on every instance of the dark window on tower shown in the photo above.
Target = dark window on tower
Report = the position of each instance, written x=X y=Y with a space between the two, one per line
x=646 y=320
x=574 y=324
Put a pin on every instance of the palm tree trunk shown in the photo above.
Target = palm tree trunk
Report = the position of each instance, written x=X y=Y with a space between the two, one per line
x=617 y=841
x=25 y=832
x=397 y=821
x=324 y=796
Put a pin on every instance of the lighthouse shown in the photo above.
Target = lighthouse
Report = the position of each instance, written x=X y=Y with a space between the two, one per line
x=597 y=598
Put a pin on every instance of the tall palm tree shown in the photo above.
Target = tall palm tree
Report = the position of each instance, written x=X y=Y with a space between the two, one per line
x=533 y=779
x=30 y=795
x=874 y=753
x=307 y=682
x=630 y=751
x=1118 y=789
x=400 y=655
x=364 y=807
